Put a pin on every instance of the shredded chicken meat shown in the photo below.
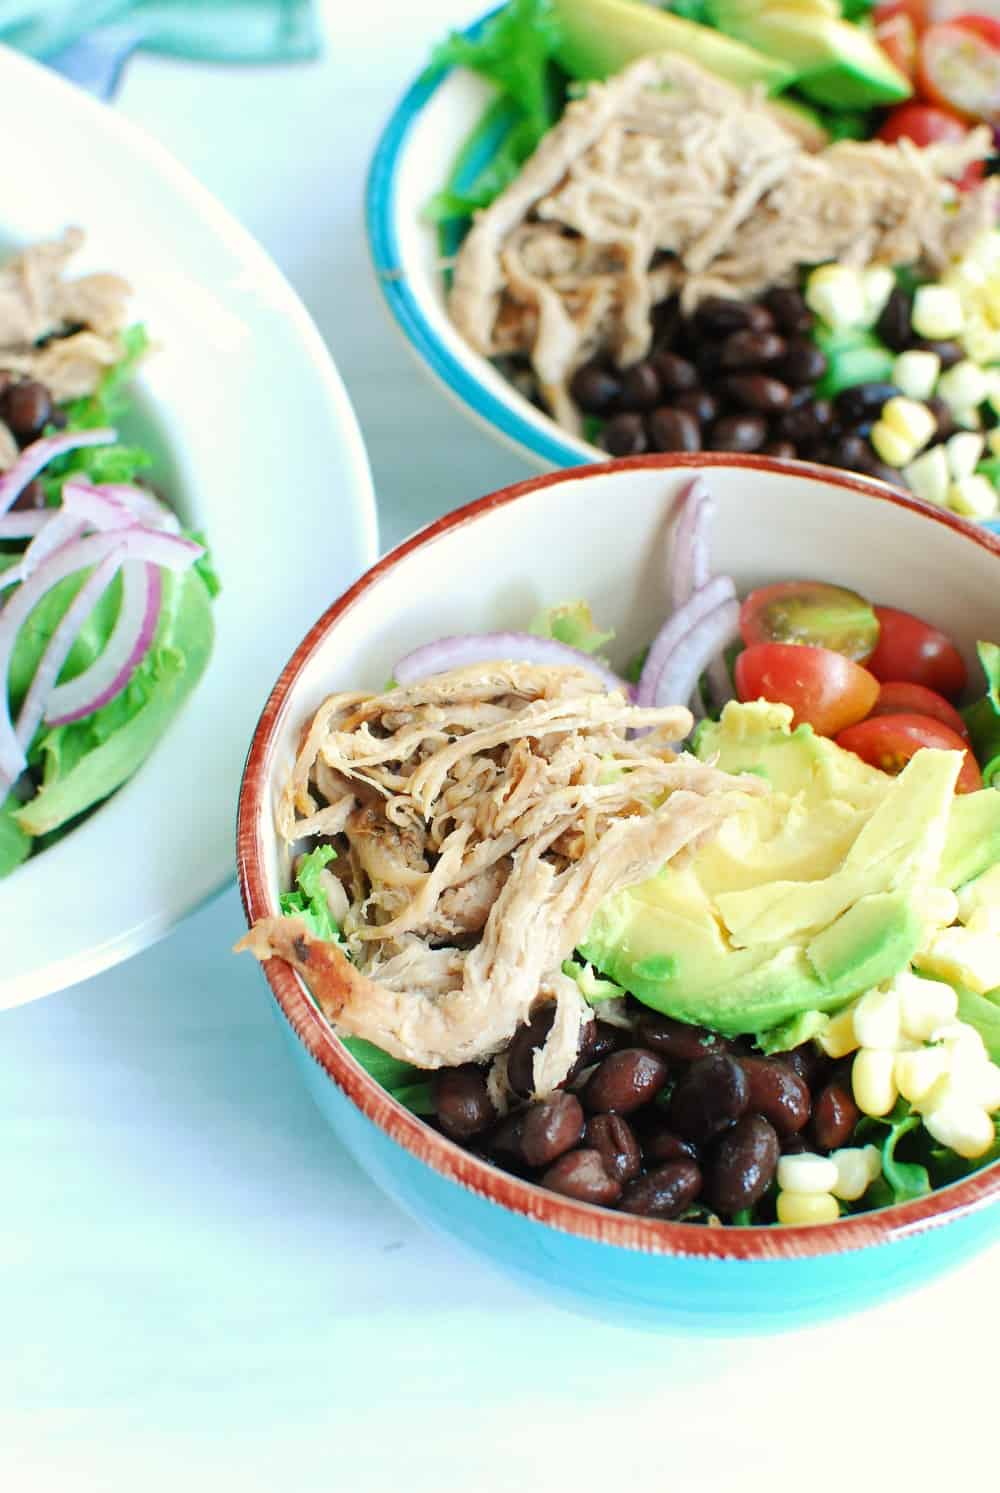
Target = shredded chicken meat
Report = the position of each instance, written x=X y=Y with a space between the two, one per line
x=63 y=332
x=479 y=818
x=668 y=180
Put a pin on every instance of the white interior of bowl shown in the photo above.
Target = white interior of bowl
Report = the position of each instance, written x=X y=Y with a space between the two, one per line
x=605 y=537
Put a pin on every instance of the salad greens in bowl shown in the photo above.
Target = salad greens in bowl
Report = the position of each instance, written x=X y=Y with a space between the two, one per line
x=677 y=1021
x=714 y=226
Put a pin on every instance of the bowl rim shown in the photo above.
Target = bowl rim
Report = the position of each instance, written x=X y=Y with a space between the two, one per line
x=584 y=1220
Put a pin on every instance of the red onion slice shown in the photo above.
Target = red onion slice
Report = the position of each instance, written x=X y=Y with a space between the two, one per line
x=713 y=632
x=487 y=647
x=96 y=506
x=60 y=644
x=38 y=455
x=145 y=505
x=675 y=629
x=108 y=675
x=61 y=529
x=689 y=567
x=25 y=523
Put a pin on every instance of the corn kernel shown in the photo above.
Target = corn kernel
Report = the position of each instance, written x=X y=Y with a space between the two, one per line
x=909 y=418
x=927 y=476
x=924 y=1005
x=962 y=1126
x=961 y=1038
x=983 y=892
x=837 y=295
x=963 y=386
x=964 y=452
x=806 y=1173
x=807 y=1207
x=876 y=1019
x=968 y=417
x=894 y=448
x=916 y=1073
x=854 y=1172
x=964 y=956
x=938 y=907
x=984 y=920
x=973 y=497
x=985 y=1087
x=837 y=1038
x=937 y=312
x=916 y=372
x=873 y=1080
x=878 y=283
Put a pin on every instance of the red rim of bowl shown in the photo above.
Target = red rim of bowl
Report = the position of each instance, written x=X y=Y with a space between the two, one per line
x=582 y=1219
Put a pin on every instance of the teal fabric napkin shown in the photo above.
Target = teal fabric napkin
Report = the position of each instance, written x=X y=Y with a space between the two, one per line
x=206 y=30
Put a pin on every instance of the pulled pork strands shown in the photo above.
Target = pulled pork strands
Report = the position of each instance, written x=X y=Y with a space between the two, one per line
x=480 y=816
x=666 y=179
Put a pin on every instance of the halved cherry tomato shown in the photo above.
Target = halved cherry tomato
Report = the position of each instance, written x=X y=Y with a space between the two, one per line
x=926 y=126
x=810 y=612
x=825 y=690
x=911 y=650
x=889 y=741
x=899 y=698
x=959 y=67
x=897 y=36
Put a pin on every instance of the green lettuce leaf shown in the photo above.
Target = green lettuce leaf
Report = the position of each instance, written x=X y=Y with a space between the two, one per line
x=15 y=845
x=309 y=901
x=570 y=623
x=983 y=716
x=902 y=1180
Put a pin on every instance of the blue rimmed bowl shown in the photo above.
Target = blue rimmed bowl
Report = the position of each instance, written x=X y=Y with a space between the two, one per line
x=602 y=532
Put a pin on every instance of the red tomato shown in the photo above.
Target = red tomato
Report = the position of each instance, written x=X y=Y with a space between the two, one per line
x=911 y=650
x=959 y=67
x=811 y=612
x=899 y=698
x=825 y=690
x=914 y=10
x=889 y=741
x=897 y=36
x=925 y=126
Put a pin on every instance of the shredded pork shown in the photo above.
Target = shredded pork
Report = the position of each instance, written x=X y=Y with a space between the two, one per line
x=479 y=818
x=668 y=180
x=63 y=332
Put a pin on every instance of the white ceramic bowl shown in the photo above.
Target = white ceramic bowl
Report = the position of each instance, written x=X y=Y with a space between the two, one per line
x=603 y=533
x=263 y=453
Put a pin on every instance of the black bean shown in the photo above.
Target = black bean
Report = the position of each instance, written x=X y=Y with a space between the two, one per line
x=783 y=450
x=551 y=1126
x=505 y=1141
x=894 y=325
x=624 y=435
x=791 y=314
x=885 y=473
x=462 y=1101
x=803 y=363
x=717 y=316
x=666 y=319
x=677 y=1039
x=796 y=1145
x=863 y=400
x=660 y=1143
x=738 y=433
x=673 y=430
x=614 y=1138
x=521 y=1052
x=808 y=1062
x=625 y=1081
x=853 y=453
x=744 y=1164
x=756 y=391
x=31 y=496
x=752 y=349
x=581 y=1175
x=676 y=374
x=761 y=318
x=710 y=1096
x=595 y=388
x=835 y=1115
x=708 y=360
x=597 y=1040
x=664 y=1192
x=640 y=387
x=698 y=402
x=27 y=408
x=778 y=1093
x=941 y=411
x=800 y=426
x=948 y=351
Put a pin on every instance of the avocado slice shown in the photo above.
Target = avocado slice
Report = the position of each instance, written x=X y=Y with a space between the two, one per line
x=600 y=37
x=972 y=844
x=838 y=63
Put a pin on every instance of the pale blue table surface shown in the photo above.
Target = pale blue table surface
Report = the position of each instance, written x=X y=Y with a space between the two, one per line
x=198 y=1289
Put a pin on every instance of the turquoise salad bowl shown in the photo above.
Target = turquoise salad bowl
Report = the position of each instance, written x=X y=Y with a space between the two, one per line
x=603 y=532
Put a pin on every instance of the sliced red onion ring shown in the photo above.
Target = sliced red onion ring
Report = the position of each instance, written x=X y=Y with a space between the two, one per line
x=25 y=523
x=108 y=675
x=145 y=505
x=61 y=529
x=95 y=505
x=689 y=567
x=60 y=644
x=486 y=647
x=673 y=632
x=135 y=544
x=713 y=632
x=38 y=455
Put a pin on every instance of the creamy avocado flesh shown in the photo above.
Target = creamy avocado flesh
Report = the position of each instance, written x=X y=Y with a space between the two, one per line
x=809 y=895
